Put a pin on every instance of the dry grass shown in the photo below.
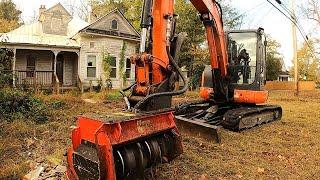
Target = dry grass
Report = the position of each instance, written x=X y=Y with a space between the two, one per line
x=287 y=149
x=23 y=141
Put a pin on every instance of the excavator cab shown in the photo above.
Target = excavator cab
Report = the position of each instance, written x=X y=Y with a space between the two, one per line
x=246 y=69
x=246 y=56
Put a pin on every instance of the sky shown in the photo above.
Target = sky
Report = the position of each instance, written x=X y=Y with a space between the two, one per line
x=258 y=13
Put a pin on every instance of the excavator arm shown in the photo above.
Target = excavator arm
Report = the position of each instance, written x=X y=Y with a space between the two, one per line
x=156 y=69
x=211 y=16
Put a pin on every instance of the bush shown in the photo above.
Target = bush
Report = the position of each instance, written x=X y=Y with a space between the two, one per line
x=20 y=104
x=113 y=95
x=57 y=104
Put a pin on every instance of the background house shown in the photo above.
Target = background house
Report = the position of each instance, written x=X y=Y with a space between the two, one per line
x=66 y=52
x=284 y=74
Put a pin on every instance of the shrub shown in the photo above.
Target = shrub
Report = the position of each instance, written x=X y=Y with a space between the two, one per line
x=20 y=104
x=57 y=104
x=113 y=96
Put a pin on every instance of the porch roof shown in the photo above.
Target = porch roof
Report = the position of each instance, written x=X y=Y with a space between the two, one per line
x=32 y=34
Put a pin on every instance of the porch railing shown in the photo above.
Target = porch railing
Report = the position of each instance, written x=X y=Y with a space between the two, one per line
x=34 y=78
x=37 y=80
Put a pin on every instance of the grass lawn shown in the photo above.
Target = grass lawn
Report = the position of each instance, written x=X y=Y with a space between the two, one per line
x=286 y=149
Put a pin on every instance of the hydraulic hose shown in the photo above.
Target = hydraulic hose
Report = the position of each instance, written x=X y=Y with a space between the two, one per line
x=124 y=95
x=173 y=93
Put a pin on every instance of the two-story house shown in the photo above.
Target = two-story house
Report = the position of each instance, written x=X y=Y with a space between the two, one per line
x=62 y=50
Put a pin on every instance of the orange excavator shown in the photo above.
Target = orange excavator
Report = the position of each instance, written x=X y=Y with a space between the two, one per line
x=127 y=146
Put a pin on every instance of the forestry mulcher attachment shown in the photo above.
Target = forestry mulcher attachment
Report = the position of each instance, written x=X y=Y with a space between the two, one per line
x=126 y=146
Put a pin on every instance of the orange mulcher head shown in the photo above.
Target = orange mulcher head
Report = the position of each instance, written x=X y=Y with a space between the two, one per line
x=122 y=149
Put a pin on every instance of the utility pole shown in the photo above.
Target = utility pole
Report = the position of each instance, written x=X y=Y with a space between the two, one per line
x=294 y=43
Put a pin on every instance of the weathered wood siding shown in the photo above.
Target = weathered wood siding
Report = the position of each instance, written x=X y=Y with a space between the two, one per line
x=55 y=20
x=69 y=73
x=105 y=24
x=43 y=62
x=103 y=44
x=44 y=59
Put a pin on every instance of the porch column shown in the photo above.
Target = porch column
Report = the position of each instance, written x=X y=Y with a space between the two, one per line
x=55 y=70
x=80 y=83
x=14 y=67
x=55 y=61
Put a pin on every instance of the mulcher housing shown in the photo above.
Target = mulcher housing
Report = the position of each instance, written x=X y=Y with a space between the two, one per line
x=123 y=148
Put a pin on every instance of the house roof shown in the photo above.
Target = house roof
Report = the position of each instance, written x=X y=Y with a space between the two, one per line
x=33 y=34
x=91 y=29
x=59 y=5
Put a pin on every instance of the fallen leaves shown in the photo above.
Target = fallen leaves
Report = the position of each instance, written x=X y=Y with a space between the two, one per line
x=260 y=170
x=203 y=177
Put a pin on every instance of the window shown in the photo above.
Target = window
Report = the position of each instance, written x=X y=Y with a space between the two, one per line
x=31 y=65
x=113 y=66
x=243 y=48
x=128 y=68
x=91 y=66
x=91 y=44
x=114 y=24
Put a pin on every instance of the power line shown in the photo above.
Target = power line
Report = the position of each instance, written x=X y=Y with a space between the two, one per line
x=293 y=20
x=293 y=16
x=252 y=9
x=262 y=17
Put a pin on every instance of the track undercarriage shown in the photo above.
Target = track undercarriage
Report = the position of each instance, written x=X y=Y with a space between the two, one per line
x=235 y=117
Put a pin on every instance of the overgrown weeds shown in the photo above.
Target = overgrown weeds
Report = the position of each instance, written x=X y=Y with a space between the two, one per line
x=16 y=104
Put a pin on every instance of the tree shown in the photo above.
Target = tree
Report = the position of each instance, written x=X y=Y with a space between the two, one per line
x=101 y=8
x=194 y=52
x=230 y=16
x=9 y=16
x=5 y=67
x=131 y=8
x=273 y=59
x=308 y=63
x=311 y=10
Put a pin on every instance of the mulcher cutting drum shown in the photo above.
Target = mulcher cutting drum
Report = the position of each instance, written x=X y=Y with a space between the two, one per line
x=123 y=148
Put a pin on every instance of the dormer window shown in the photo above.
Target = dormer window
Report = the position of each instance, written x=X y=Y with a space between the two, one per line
x=114 y=24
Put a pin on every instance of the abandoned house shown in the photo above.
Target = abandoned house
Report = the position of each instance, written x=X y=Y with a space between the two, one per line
x=66 y=52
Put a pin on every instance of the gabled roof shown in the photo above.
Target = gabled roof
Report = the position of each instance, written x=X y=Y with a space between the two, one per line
x=90 y=28
x=59 y=5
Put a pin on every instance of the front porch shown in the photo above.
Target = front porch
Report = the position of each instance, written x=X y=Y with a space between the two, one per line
x=42 y=69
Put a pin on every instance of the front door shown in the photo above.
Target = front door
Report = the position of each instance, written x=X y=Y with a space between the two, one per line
x=60 y=68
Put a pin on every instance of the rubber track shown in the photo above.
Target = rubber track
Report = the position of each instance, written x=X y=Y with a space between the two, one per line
x=232 y=118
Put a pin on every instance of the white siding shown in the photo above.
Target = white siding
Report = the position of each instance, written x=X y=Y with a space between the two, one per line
x=106 y=45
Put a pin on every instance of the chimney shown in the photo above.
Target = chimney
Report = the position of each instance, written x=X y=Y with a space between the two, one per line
x=92 y=17
x=42 y=9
